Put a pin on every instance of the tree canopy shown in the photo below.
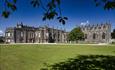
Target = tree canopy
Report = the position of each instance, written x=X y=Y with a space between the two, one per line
x=113 y=34
x=49 y=9
x=106 y=4
x=76 y=34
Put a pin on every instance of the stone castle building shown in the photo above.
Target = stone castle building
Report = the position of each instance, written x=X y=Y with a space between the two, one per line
x=26 y=34
x=97 y=33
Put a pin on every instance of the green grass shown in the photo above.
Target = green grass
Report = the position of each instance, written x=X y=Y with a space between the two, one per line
x=33 y=57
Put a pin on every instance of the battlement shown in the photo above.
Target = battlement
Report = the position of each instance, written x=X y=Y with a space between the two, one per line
x=96 y=27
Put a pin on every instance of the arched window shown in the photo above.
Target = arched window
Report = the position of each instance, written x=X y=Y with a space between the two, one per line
x=103 y=36
x=99 y=27
x=104 y=26
x=22 y=34
x=94 y=36
x=85 y=36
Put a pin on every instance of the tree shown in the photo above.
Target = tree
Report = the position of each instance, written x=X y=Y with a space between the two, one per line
x=113 y=34
x=76 y=34
x=2 y=39
x=106 y=4
x=50 y=11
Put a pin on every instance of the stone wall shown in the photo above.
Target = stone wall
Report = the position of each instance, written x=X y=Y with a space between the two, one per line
x=27 y=34
x=97 y=33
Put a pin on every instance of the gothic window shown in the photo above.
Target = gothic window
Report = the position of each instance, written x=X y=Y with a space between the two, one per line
x=83 y=28
x=94 y=36
x=91 y=28
x=39 y=35
x=8 y=34
x=47 y=34
x=103 y=36
x=64 y=35
x=21 y=34
x=36 y=34
x=85 y=36
x=8 y=40
x=58 y=35
x=104 y=27
x=99 y=27
x=32 y=35
x=94 y=27
x=11 y=34
x=54 y=35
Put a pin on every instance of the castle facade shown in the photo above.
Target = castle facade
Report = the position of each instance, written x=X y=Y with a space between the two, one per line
x=97 y=33
x=26 y=34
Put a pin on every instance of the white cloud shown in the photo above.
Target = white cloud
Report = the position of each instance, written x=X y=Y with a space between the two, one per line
x=84 y=23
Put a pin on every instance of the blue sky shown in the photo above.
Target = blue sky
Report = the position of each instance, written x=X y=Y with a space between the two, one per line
x=78 y=11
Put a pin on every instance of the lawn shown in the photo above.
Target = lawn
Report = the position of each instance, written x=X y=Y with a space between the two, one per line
x=34 y=57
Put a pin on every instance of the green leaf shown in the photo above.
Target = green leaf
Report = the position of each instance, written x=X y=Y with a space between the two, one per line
x=60 y=20
x=109 y=5
x=13 y=7
x=5 y=14
x=59 y=17
x=51 y=6
x=58 y=2
x=44 y=18
x=9 y=4
x=35 y=3
x=63 y=22
x=76 y=34
x=14 y=1
x=65 y=18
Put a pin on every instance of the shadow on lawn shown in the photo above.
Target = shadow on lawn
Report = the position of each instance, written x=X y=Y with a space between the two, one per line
x=84 y=62
x=114 y=51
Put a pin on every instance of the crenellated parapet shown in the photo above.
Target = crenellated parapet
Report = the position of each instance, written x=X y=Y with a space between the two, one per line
x=96 y=27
